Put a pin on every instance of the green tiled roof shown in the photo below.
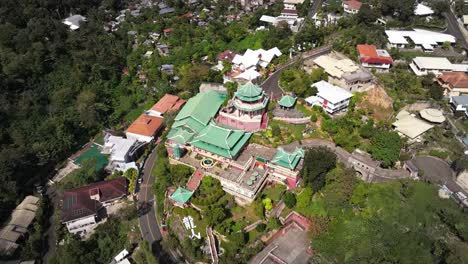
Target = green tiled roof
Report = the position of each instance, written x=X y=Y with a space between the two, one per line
x=221 y=141
x=257 y=106
x=287 y=101
x=181 y=195
x=249 y=92
x=180 y=135
x=195 y=115
x=288 y=160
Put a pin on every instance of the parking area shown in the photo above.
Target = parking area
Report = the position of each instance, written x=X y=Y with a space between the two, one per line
x=437 y=171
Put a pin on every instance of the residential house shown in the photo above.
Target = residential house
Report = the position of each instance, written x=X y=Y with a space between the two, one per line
x=145 y=128
x=74 y=22
x=409 y=126
x=167 y=69
x=422 y=39
x=244 y=67
x=166 y=104
x=351 y=6
x=331 y=98
x=246 y=110
x=82 y=206
x=122 y=152
x=436 y=65
x=455 y=83
x=423 y=10
x=163 y=49
x=341 y=71
x=371 y=57
x=18 y=224
x=459 y=103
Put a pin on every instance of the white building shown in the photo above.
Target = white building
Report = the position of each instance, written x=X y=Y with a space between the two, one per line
x=423 y=10
x=331 y=98
x=294 y=22
x=122 y=151
x=74 y=21
x=245 y=66
x=351 y=6
x=436 y=65
x=424 y=39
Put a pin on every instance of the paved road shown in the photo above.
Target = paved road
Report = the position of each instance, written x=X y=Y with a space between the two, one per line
x=50 y=233
x=270 y=85
x=437 y=171
x=149 y=226
x=454 y=30
x=315 y=6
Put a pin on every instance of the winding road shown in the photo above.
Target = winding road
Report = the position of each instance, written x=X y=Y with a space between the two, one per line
x=149 y=226
x=271 y=86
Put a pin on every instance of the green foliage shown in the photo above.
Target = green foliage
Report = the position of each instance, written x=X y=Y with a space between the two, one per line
x=385 y=147
x=144 y=255
x=275 y=130
x=85 y=175
x=405 y=222
x=267 y=203
x=261 y=227
x=299 y=82
x=132 y=176
x=108 y=239
x=289 y=200
x=317 y=163
x=438 y=153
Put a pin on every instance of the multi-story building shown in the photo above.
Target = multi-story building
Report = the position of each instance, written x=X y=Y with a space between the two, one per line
x=435 y=65
x=331 y=98
x=246 y=110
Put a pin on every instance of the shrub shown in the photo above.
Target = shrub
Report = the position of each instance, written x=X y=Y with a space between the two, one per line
x=261 y=227
x=289 y=200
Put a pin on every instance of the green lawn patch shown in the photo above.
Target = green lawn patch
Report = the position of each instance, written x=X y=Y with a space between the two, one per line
x=274 y=192
x=135 y=113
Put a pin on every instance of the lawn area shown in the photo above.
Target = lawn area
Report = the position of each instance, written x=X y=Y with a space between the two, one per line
x=135 y=113
x=294 y=130
x=307 y=111
x=179 y=214
x=274 y=192
x=246 y=213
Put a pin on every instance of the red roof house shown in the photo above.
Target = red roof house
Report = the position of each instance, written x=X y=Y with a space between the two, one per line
x=145 y=127
x=227 y=55
x=456 y=83
x=167 y=103
x=88 y=200
x=371 y=57
x=352 y=6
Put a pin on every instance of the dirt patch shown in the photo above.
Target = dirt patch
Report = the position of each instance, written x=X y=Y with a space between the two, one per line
x=379 y=102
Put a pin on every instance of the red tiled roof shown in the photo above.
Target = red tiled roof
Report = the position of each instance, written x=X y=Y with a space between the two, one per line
x=353 y=4
x=455 y=79
x=167 y=103
x=288 y=11
x=77 y=203
x=194 y=181
x=146 y=125
x=368 y=54
x=227 y=55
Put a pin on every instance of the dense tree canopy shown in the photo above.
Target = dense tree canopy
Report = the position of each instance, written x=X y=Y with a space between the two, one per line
x=317 y=163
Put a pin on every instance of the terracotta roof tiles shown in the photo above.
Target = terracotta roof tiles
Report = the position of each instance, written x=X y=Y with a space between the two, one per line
x=146 y=125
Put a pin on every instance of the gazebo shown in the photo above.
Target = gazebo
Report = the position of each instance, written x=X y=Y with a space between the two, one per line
x=287 y=102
